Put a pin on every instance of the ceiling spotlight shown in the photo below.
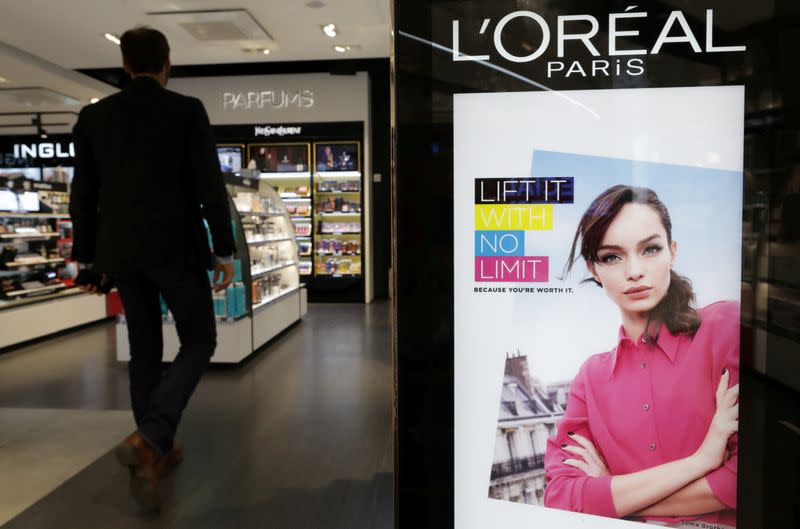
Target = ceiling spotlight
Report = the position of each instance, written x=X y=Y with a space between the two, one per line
x=340 y=49
x=266 y=52
x=113 y=38
x=330 y=30
x=94 y=100
x=43 y=134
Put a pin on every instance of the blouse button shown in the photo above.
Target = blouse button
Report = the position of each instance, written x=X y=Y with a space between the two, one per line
x=652 y=446
x=644 y=364
x=646 y=407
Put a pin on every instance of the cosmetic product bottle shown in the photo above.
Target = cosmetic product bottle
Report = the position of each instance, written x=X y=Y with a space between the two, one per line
x=241 y=305
x=230 y=301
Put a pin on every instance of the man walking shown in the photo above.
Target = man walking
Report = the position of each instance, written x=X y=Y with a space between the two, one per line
x=146 y=175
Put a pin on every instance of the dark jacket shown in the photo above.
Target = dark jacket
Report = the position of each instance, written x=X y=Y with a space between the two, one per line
x=146 y=175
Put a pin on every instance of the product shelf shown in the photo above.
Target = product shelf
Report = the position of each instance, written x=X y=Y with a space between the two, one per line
x=338 y=174
x=339 y=214
x=21 y=236
x=275 y=268
x=10 y=215
x=266 y=301
x=254 y=242
x=8 y=304
x=15 y=264
x=305 y=175
x=260 y=214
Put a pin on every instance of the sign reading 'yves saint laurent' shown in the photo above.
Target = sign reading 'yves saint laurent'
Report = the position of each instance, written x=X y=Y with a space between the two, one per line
x=268 y=131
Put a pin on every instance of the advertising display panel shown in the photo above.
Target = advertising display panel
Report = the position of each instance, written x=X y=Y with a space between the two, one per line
x=589 y=317
x=595 y=245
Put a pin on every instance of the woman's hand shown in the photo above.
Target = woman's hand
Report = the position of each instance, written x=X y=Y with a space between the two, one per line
x=725 y=423
x=591 y=462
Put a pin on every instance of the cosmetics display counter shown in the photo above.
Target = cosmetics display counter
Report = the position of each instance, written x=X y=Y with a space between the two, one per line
x=266 y=295
x=326 y=209
x=285 y=167
x=37 y=293
x=319 y=175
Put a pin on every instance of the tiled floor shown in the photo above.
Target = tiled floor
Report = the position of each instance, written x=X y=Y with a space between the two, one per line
x=42 y=448
x=298 y=437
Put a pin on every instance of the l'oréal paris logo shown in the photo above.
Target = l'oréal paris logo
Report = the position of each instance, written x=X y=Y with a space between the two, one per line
x=277 y=131
x=584 y=29
x=266 y=99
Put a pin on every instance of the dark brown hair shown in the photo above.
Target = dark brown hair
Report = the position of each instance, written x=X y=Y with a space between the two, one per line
x=144 y=50
x=676 y=309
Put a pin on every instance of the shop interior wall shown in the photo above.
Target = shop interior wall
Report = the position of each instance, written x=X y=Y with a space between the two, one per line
x=378 y=71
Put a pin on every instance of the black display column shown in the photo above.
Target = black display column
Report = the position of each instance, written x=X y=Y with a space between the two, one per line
x=577 y=49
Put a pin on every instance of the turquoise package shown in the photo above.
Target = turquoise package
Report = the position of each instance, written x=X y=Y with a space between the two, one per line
x=241 y=304
x=220 y=305
x=230 y=301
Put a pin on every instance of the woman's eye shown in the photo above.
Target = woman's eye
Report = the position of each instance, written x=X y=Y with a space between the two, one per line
x=652 y=250
x=609 y=258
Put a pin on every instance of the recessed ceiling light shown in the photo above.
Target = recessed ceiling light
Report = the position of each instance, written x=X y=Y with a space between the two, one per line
x=266 y=52
x=94 y=100
x=315 y=4
x=329 y=30
x=113 y=38
x=340 y=49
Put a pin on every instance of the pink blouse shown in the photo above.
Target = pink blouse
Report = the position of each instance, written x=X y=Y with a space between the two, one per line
x=643 y=405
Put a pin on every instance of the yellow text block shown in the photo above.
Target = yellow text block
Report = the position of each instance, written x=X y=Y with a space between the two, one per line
x=514 y=217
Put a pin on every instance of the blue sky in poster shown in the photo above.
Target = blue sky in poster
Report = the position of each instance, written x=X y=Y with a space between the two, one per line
x=705 y=208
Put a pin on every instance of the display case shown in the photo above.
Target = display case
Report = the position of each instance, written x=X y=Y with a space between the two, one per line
x=318 y=171
x=36 y=238
x=285 y=167
x=265 y=296
x=338 y=199
x=37 y=292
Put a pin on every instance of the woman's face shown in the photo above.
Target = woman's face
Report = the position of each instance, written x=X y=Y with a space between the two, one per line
x=635 y=259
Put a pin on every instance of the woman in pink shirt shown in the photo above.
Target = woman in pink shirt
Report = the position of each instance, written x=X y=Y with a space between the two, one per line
x=650 y=427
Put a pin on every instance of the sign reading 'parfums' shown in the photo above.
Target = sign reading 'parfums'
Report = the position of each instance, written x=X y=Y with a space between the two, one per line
x=507 y=208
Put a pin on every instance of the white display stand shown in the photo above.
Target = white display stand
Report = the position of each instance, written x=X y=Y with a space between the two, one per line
x=235 y=340
x=277 y=307
x=21 y=322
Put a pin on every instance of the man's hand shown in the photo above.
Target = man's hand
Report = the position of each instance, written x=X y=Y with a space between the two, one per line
x=226 y=270
x=92 y=282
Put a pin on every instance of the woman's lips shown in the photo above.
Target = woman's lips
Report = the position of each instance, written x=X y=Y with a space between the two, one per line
x=638 y=292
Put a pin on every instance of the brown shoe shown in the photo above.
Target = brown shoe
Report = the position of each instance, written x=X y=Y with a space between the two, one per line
x=129 y=454
x=168 y=463
x=134 y=452
x=142 y=460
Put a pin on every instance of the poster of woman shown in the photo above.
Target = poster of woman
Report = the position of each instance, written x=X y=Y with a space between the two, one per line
x=597 y=307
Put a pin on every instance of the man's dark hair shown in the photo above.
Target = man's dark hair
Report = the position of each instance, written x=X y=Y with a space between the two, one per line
x=144 y=50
